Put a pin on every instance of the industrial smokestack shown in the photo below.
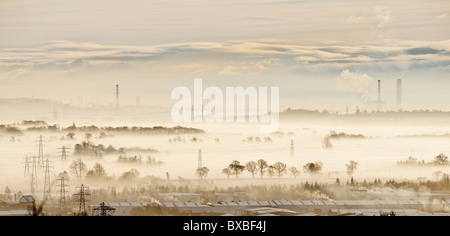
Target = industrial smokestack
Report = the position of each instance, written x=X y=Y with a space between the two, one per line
x=399 y=94
x=379 y=95
x=117 y=96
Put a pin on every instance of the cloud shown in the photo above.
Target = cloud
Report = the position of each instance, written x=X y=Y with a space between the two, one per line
x=383 y=15
x=353 y=82
x=444 y=16
x=250 y=68
x=251 y=57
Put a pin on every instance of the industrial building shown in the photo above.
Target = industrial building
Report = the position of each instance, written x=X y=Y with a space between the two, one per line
x=292 y=207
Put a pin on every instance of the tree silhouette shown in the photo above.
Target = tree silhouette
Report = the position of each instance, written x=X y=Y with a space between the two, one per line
x=441 y=160
x=262 y=165
x=129 y=175
x=97 y=172
x=227 y=172
x=202 y=172
x=34 y=210
x=78 y=168
x=271 y=171
x=251 y=167
x=70 y=135
x=280 y=168
x=236 y=168
x=351 y=168
x=294 y=171
x=312 y=168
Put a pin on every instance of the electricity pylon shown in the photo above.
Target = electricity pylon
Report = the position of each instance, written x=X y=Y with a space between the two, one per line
x=63 y=153
x=47 y=183
x=62 y=193
x=82 y=193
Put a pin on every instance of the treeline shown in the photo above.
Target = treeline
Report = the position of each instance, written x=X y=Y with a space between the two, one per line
x=87 y=148
x=10 y=130
x=261 y=168
x=290 y=111
x=135 y=129
x=439 y=160
x=43 y=126
x=137 y=159
x=97 y=174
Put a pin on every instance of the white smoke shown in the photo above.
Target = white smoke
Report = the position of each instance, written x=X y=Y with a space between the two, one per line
x=353 y=82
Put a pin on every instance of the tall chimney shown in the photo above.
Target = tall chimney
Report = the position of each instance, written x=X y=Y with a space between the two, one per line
x=399 y=94
x=117 y=96
x=379 y=95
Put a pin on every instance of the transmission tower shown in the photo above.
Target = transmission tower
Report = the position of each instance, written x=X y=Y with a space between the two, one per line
x=104 y=210
x=63 y=153
x=41 y=153
x=26 y=167
x=82 y=192
x=292 y=148
x=34 y=175
x=47 y=184
x=62 y=194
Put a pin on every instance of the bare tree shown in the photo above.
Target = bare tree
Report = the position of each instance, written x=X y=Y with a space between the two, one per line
x=441 y=160
x=326 y=143
x=280 y=168
x=251 y=167
x=96 y=173
x=271 y=171
x=227 y=172
x=70 y=135
x=202 y=172
x=87 y=136
x=437 y=174
x=294 y=171
x=351 y=168
x=312 y=168
x=78 y=168
x=236 y=168
x=262 y=165
x=129 y=176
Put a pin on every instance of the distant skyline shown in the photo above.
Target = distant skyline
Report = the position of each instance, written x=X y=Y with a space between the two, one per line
x=322 y=54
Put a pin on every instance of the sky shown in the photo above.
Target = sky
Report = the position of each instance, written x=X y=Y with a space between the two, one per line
x=322 y=54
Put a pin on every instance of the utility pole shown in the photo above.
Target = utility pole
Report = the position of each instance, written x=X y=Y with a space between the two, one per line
x=62 y=194
x=82 y=192
x=47 y=184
